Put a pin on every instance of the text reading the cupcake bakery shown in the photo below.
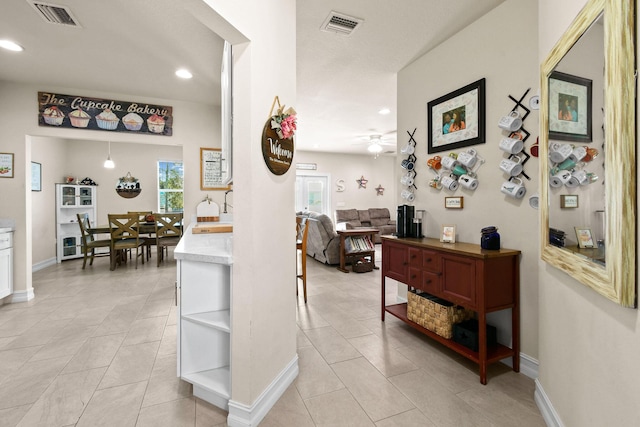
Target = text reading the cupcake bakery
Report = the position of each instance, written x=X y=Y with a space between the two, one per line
x=76 y=111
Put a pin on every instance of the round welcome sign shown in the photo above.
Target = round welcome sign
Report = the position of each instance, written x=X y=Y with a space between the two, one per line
x=277 y=152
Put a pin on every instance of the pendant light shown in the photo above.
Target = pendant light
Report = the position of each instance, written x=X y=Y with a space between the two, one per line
x=109 y=163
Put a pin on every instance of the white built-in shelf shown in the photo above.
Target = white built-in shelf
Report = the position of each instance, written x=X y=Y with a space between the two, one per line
x=217 y=381
x=212 y=319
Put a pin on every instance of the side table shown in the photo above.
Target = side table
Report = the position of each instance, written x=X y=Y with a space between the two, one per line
x=356 y=232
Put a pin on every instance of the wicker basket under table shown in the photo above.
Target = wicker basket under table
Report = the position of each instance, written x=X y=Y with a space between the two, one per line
x=435 y=314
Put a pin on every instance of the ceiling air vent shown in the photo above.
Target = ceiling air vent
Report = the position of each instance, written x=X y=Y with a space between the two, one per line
x=340 y=23
x=54 y=14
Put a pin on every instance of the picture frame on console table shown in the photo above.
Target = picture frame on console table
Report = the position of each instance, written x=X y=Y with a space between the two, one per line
x=457 y=119
x=448 y=233
x=585 y=237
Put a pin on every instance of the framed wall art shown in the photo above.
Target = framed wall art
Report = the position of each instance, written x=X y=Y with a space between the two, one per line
x=6 y=165
x=211 y=173
x=36 y=176
x=457 y=119
x=569 y=107
x=454 y=202
x=568 y=201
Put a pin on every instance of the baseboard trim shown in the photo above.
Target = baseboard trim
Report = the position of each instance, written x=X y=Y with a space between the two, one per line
x=528 y=365
x=23 y=296
x=549 y=414
x=43 y=264
x=241 y=415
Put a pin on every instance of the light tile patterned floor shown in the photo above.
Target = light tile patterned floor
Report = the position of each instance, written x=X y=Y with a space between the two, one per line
x=97 y=348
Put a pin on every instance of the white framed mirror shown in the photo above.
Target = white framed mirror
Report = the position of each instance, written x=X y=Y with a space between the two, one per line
x=600 y=222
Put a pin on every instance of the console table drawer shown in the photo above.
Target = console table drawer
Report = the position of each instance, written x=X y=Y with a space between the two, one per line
x=431 y=261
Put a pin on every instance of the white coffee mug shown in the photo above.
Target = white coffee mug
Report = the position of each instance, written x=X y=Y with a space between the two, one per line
x=448 y=162
x=408 y=149
x=407 y=180
x=511 y=145
x=511 y=122
x=449 y=183
x=582 y=176
x=408 y=195
x=513 y=188
x=560 y=178
x=511 y=166
x=559 y=152
x=578 y=154
x=468 y=158
x=468 y=182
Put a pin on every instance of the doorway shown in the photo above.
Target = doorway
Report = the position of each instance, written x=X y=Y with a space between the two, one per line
x=312 y=193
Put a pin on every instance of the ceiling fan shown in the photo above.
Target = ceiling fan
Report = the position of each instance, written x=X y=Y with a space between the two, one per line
x=376 y=142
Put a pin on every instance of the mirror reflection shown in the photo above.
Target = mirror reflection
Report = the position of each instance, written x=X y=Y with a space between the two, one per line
x=577 y=220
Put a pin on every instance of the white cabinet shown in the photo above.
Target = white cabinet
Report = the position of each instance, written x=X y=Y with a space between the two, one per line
x=6 y=263
x=72 y=200
x=204 y=313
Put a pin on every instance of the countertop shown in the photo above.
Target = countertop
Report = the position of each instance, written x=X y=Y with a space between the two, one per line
x=213 y=248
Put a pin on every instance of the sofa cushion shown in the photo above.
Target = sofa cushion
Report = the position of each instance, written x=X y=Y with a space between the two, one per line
x=379 y=213
x=363 y=215
x=346 y=215
x=353 y=224
x=376 y=222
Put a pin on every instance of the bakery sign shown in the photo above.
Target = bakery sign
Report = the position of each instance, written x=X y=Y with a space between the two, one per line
x=81 y=112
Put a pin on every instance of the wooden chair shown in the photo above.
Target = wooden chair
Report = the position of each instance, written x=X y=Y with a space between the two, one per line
x=168 y=233
x=125 y=236
x=148 y=239
x=89 y=243
x=302 y=228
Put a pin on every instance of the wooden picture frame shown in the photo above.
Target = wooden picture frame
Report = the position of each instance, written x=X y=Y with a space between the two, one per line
x=36 y=176
x=569 y=107
x=569 y=201
x=211 y=175
x=454 y=202
x=6 y=165
x=448 y=233
x=468 y=104
x=584 y=237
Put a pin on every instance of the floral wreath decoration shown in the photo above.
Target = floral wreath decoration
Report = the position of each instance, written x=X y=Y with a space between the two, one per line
x=284 y=122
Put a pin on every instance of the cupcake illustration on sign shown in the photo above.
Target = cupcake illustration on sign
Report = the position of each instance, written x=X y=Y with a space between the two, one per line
x=132 y=121
x=107 y=120
x=53 y=116
x=155 y=123
x=79 y=119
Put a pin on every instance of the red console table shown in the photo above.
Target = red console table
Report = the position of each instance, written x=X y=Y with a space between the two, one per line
x=465 y=274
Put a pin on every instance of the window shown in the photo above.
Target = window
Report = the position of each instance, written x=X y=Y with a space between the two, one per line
x=170 y=187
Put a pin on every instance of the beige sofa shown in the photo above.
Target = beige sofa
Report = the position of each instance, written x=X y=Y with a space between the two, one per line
x=323 y=243
x=379 y=218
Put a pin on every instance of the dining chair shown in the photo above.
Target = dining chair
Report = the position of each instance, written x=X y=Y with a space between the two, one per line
x=302 y=228
x=147 y=238
x=89 y=243
x=125 y=236
x=168 y=233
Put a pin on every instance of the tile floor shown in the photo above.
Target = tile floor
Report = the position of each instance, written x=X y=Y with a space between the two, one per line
x=97 y=348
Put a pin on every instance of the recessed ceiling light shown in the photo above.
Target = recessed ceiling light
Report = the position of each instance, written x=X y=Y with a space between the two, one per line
x=384 y=111
x=183 y=73
x=9 y=45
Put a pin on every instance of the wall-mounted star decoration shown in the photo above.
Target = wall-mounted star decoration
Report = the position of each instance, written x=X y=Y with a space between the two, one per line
x=362 y=182
x=380 y=190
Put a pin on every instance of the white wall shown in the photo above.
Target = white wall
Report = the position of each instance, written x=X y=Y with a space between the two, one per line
x=500 y=47
x=349 y=167
x=589 y=345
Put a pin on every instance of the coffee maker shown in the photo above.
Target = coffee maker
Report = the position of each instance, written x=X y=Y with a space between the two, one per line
x=417 y=224
x=404 y=221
